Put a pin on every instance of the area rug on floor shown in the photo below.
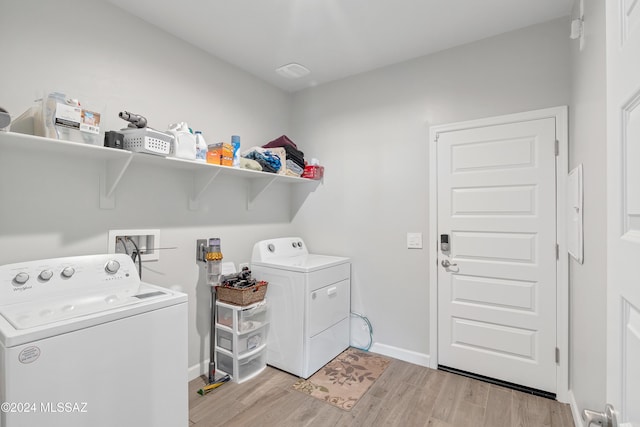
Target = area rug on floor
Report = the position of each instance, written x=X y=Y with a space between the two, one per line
x=344 y=380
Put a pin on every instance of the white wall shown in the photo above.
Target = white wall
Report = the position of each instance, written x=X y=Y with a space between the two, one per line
x=113 y=61
x=371 y=133
x=588 y=146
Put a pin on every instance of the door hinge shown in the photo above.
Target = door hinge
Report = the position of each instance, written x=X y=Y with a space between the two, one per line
x=557 y=355
x=557 y=251
x=557 y=148
x=437 y=136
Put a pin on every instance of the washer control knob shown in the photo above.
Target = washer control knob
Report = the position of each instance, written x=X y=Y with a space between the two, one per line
x=46 y=275
x=112 y=266
x=299 y=244
x=294 y=244
x=21 y=278
x=68 y=272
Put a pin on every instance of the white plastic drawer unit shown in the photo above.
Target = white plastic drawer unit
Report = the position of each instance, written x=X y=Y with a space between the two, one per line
x=243 y=368
x=327 y=306
x=246 y=341
x=241 y=339
x=246 y=319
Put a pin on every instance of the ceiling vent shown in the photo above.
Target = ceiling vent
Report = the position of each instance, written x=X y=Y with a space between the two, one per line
x=293 y=71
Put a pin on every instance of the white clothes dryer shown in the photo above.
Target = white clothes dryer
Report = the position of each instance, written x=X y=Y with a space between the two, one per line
x=309 y=299
x=84 y=343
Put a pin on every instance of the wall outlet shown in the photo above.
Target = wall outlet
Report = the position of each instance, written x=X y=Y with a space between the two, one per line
x=125 y=241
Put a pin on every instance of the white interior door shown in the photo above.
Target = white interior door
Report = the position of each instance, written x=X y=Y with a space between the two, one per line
x=497 y=203
x=623 y=187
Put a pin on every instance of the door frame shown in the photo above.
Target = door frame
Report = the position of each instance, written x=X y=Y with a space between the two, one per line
x=560 y=114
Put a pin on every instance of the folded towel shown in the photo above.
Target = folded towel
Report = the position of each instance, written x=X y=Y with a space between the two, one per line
x=250 y=164
x=295 y=155
x=281 y=141
x=294 y=168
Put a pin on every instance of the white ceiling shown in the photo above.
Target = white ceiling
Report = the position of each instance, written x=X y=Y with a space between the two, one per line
x=335 y=38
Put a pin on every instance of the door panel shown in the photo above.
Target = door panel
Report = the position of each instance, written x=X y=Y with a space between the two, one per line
x=631 y=355
x=499 y=339
x=631 y=151
x=498 y=293
x=497 y=302
x=503 y=246
x=478 y=156
x=504 y=200
x=623 y=214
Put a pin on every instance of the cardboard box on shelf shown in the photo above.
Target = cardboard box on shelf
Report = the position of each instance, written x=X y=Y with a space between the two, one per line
x=220 y=154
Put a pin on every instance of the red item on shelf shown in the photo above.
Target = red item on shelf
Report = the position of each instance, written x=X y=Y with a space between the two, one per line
x=313 y=172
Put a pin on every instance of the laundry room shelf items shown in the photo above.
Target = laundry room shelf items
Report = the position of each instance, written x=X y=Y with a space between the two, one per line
x=117 y=162
x=241 y=337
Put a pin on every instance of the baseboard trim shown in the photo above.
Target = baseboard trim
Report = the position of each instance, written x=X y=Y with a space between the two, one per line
x=575 y=411
x=401 y=354
x=198 y=370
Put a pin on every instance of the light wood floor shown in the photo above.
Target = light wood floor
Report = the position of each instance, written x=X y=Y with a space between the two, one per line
x=405 y=395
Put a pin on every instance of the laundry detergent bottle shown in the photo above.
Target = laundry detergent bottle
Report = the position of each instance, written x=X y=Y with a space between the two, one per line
x=184 y=144
x=201 y=147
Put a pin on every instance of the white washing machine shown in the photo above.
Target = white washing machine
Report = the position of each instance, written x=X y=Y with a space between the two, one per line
x=84 y=343
x=309 y=299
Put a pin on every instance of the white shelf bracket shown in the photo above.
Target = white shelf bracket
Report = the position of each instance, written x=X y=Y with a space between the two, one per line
x=299 y=194
x=256 y=188
x=110 y=177
x=201 y=181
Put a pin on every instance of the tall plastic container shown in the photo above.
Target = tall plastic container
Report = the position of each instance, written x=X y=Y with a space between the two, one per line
x=201 y=147
x=184 y=144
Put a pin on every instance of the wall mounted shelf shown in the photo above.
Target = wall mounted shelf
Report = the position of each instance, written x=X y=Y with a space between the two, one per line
x=117 y=162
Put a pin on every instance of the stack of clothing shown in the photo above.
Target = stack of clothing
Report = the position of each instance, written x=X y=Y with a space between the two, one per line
x=294 y=157
x=265 y=158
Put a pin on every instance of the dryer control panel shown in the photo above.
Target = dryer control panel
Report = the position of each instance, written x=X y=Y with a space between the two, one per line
x=284 y=247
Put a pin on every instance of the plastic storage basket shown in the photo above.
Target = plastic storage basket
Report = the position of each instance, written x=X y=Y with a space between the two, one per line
x=148 y=141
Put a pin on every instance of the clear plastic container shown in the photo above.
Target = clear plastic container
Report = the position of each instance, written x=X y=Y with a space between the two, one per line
x=246 y=319
x=246 y=342
x=244 y=368
x=64 y=118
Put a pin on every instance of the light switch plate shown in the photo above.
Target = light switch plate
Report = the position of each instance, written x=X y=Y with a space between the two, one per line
x=414 y=240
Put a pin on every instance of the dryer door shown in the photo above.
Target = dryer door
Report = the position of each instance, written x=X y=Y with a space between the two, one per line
x=328 y=306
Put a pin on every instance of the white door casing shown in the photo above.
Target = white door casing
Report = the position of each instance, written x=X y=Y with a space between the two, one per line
x=502 y=310
x=623 y=214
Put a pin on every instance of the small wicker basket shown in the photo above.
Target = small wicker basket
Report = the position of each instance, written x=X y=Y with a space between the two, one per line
x=242 y=296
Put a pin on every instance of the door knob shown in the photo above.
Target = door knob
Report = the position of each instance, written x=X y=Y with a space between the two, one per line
x=604 y=419
x=446 y=263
